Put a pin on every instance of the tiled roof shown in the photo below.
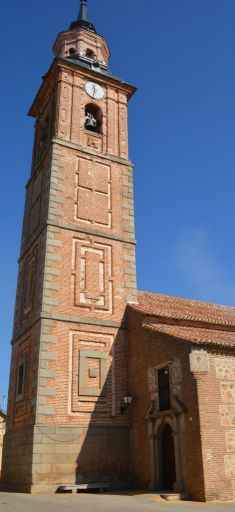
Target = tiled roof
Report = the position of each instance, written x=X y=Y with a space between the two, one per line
x=188 y=320
x=164 y=306
x=197 y=335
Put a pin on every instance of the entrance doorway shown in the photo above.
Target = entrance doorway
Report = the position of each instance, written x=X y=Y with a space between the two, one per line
x=165 y=465
x=168 y=458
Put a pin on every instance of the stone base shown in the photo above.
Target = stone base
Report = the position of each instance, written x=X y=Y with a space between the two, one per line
x=41 y=459
x=17 y=460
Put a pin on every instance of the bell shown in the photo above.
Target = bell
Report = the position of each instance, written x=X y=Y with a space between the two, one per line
x=90 y=122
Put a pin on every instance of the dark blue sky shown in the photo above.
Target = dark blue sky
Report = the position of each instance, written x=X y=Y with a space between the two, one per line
x=181 y=56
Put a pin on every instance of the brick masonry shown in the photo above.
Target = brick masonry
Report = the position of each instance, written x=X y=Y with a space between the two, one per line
x=201 y=414
x=77 y=349
x=146 y=353
x=76 y=275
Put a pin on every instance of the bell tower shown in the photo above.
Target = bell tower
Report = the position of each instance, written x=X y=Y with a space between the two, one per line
x=76 y=276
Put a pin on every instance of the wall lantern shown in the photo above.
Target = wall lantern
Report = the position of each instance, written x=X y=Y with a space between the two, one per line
x=128 y=399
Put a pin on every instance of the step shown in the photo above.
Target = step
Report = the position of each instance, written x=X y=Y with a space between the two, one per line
x=174 y=496
x=100 y=486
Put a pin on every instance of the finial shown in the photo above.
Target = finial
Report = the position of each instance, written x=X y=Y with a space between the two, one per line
x=82 y=20
x=83 y=10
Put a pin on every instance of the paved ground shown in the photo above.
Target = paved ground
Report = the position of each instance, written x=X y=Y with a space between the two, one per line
x=84 y=502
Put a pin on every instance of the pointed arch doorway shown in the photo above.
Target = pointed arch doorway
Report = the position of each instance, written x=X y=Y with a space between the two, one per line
x=168 y=458
x=165 y=463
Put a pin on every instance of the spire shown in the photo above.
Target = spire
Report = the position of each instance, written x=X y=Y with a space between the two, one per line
x=82 y=20
x=83 y=11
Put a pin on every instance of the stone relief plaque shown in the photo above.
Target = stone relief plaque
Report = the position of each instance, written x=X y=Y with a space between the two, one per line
x=199 y=361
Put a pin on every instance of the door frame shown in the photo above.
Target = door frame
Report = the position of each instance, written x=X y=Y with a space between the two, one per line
x=176 y=424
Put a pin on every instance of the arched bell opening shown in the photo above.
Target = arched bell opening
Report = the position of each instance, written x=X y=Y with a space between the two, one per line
x=90 y=54
x=93 y=118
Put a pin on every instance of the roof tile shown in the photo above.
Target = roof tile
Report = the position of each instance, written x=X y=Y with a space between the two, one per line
x=194 y=334
x=165 y=306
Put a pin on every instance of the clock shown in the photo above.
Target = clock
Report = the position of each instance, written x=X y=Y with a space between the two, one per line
x=94 y=90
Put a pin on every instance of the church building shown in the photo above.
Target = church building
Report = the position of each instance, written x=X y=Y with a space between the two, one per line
x=108 y=384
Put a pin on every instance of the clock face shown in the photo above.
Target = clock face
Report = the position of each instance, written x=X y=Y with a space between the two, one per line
x=94 y=90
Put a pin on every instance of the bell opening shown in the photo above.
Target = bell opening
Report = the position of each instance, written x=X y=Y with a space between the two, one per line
x=93 y=118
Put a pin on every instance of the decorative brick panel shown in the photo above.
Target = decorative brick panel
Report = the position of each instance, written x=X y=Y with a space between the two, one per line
x=92 y=268
x=229 y=461
x=92 y=372
x=95 y=142
x=92 y=275
x=93 y=204
x=29 y=283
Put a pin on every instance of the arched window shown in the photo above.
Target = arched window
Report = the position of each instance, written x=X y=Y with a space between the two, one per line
x=72 y=51
x=93 y=118
x=90 y=53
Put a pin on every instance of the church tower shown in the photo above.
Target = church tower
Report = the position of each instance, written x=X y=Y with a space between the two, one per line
x=66 y=423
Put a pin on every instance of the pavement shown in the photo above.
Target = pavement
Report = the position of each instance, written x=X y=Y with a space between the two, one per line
x=117 y=502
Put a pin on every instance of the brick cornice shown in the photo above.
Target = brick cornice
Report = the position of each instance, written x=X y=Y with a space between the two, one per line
x=83 y=320
x=70 y=319
x=90 y=231
x=78 y=147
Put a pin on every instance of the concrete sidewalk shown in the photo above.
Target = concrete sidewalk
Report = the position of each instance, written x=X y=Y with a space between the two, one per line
x=117 y=502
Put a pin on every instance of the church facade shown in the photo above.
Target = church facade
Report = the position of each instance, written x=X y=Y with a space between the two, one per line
x=107 y=384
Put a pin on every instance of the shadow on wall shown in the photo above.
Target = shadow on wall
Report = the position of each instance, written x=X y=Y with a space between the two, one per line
x=95 y=446
x=105 y=452
x=18 y=460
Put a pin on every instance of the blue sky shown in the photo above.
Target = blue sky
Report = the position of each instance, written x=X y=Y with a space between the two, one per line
x=181 y=56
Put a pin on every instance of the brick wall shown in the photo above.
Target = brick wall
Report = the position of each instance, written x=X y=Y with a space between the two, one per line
x=207 y=391
x=146 y=351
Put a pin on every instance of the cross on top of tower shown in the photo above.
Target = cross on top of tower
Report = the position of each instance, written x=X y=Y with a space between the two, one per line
x=82 y=19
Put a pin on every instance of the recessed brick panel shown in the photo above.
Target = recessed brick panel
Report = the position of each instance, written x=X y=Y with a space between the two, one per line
x=29 y=284
x=92 y=272
x=92 y=372
x=92 y=378
x=93 y=283
x=93 y=203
